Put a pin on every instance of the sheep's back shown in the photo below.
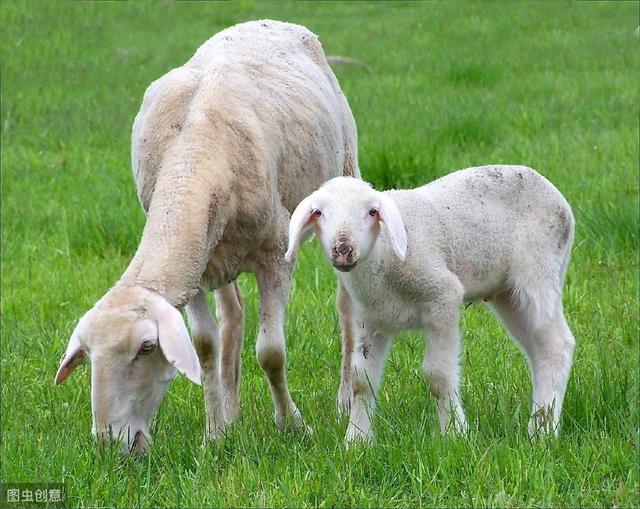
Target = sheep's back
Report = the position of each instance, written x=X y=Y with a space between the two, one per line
x=268 y=100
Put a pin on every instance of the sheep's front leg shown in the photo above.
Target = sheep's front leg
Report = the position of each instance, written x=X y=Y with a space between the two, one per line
x=441 y=365
x=207 y=343
x=274 y=286
x=369 y=356
x=345 y=391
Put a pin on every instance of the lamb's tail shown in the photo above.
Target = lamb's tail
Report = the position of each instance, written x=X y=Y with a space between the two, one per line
x=338 y=61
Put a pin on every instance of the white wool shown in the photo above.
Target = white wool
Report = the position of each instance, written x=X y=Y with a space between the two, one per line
x=409 y=259
x=223 y=149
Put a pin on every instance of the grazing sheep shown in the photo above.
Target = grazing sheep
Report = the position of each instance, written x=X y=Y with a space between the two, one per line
x=409 y=259
x=223 y=149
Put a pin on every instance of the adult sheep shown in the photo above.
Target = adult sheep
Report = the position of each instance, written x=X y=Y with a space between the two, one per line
x=223 y=149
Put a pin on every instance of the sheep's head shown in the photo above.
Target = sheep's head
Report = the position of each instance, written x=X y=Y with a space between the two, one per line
x=347 y=215
x=135 y=341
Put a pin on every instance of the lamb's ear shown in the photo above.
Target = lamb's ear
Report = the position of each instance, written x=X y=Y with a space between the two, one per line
x=299 y=224
x=392 y=220
x=174 y=340
x=73 y=357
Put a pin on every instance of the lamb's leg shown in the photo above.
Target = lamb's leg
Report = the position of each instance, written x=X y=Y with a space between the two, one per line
x=369 y=356
x=345 y=391
x=548 y=344
x=441 y=365
x=207 y=343
x=230 y=311
x=274 y=285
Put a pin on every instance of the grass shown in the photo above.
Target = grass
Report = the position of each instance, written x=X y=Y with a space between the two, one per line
x=550 y=85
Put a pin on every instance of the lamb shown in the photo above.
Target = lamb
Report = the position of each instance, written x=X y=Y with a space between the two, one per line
x=409 y=259
x=223 y=149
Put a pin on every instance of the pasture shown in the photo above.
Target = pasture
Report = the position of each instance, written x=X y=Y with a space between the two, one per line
x=450 y=85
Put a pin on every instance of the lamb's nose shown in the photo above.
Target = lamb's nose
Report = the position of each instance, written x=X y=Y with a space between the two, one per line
x=344 y=248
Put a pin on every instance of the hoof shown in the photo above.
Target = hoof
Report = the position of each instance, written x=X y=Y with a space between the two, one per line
x=213 y=433
x=356 y=436
x=231 y=412
x=343 y=402
x=293 y=421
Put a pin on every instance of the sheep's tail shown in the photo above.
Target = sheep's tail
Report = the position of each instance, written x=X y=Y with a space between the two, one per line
x=339 y=61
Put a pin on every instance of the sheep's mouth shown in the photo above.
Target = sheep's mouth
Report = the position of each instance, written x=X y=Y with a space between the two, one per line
x=347 y=267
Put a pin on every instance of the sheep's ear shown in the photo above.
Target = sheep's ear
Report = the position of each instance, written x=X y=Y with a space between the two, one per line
x=174 y=340
x=392 y=220
x=73 y=357
x=299 y=224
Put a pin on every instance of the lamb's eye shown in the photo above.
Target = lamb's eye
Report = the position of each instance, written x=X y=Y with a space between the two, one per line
x=317 y=212
x=147 y=347
x=373 y=212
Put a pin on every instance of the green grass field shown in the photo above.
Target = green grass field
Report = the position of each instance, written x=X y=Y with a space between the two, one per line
x=550 y=85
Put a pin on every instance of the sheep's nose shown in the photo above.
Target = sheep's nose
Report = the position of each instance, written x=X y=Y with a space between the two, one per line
x=343 y=248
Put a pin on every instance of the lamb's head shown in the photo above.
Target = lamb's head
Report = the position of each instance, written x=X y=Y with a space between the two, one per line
x=135 y=341
x=347 y=215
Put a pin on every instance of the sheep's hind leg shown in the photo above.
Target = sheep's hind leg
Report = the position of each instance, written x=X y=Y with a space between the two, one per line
x=548 y=343
x=230 y=311
x=207 y=343
x=274 y=284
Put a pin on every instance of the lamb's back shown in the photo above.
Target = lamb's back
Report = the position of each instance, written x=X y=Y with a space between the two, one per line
x=480 y=221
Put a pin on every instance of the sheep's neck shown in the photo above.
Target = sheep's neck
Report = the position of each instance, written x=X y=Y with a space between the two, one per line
x=186 y=218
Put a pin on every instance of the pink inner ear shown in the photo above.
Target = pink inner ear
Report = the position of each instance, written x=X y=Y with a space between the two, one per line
x=67 y=367
x=63 y=373
x=301 y=218
x=311 y=220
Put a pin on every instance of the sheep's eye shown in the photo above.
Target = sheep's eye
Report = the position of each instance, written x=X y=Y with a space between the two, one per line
x=147 y=347
x=317 y=212
x=373 y=212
